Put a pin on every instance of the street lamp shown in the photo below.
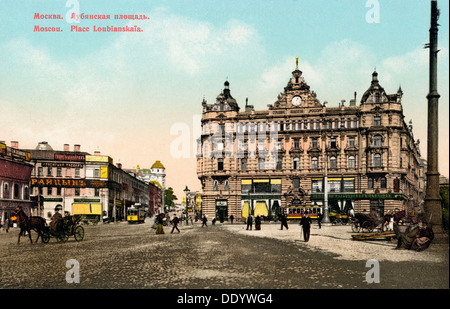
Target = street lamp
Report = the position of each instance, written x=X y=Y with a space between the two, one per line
x=186 y=192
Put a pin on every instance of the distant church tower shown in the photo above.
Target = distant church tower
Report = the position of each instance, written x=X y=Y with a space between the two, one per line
x=158 y=173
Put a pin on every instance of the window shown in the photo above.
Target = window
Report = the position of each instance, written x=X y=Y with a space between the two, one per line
x=297 y=143
x=316 y=185
x=77 y=191
x=296 y=165
x=58 y=191
x=59 y=172
x=334 y=185
x=383 y=183
x=349 y=185
x=333 y=143
x=351 y=141
x=377 y=121
x=370 y=183
x=279 y=163
x=26 y=193
x=96 y=191
x=314 y=164
x=243 y=164
x=377 y=141
x=355 y=122
x=261 y=163
x=77 y=172
x=49 y=191
x=49 y=171
x=351 y=162
x=16 y=191
x=376 y=160
x=97 y=172
x=314 y=142
x=279 y=144
x=226 y=185
x=215 y=185
x=333 y=163
x=296 y=183
x=220 y=164
x=40 y=171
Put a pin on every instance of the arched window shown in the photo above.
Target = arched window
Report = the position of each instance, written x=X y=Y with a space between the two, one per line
x=351 y=162
x=296 y=165
x=215 y=185
x=16 y=191
x=376 y=160
x=333 y=163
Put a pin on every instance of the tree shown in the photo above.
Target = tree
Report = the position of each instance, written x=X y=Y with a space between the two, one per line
x=170 y=197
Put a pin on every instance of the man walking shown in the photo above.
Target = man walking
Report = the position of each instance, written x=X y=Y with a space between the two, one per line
x=250 y=222
x=175 y=222
x=305 y=222
x=283 y=221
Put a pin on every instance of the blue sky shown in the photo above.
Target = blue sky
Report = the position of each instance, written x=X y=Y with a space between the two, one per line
x=121 y=93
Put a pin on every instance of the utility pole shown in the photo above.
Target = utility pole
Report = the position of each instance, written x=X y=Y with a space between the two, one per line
x=432 y=206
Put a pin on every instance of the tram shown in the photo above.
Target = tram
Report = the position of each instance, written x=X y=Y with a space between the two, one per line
x=136 y=214
x=297 y=212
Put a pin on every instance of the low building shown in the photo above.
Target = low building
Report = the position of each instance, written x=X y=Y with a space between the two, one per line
x=15 y=186
x=82 y=183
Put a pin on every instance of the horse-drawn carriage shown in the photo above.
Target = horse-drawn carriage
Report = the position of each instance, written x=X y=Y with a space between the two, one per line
x=69 y=226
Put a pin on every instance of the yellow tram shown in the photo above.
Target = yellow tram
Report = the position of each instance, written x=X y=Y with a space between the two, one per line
x=136 y=214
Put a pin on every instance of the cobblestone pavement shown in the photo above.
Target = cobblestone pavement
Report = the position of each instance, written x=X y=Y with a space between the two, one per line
x=133 y=256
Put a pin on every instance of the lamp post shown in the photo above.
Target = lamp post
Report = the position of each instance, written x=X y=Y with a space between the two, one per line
x=186 y=192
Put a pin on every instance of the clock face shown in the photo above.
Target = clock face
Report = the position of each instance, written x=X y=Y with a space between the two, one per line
x=296 y=100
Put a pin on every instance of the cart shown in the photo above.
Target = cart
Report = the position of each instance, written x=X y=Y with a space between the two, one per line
x=70 y=226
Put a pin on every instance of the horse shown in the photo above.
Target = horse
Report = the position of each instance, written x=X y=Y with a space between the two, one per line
x=29 y=223
x=399 y=215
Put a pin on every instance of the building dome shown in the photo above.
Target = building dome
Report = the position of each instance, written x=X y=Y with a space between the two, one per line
x=158 y=164
x=43 y=146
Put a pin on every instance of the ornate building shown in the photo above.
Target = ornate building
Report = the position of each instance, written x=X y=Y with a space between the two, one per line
x=261 y=161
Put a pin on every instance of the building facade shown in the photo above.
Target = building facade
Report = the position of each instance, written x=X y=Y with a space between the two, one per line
x=82 y=183
x=284 y=158
x=15 y=187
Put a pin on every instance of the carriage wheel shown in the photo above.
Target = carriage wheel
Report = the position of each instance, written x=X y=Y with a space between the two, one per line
x=62 y=237
x=355 y=227
x=79 y=233
x=45 y=237
x=367 y=226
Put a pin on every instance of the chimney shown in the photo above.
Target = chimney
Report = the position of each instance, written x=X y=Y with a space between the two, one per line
x=96 y=153
x=119 y=165
x=66 y=147
x=76 y=148
x=15 y=144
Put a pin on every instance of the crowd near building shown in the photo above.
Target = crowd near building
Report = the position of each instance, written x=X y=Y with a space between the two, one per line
x=300 y=153
x=41 y=180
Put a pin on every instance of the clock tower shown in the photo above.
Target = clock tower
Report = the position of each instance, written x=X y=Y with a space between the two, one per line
x=297 y=93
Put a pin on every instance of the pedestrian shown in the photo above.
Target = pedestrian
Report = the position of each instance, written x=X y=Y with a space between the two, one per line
x=204 y=221
x=175 y=222
x=305 y=222
x=6 y=224
x=249 y=222
x=319 y=220
x=159 y=224
x=213 y=221
x=258 y=223
x=284 y=223
x=231 y=219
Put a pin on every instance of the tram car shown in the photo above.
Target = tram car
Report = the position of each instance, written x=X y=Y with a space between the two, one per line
x=297 y=212
x=136 y=214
